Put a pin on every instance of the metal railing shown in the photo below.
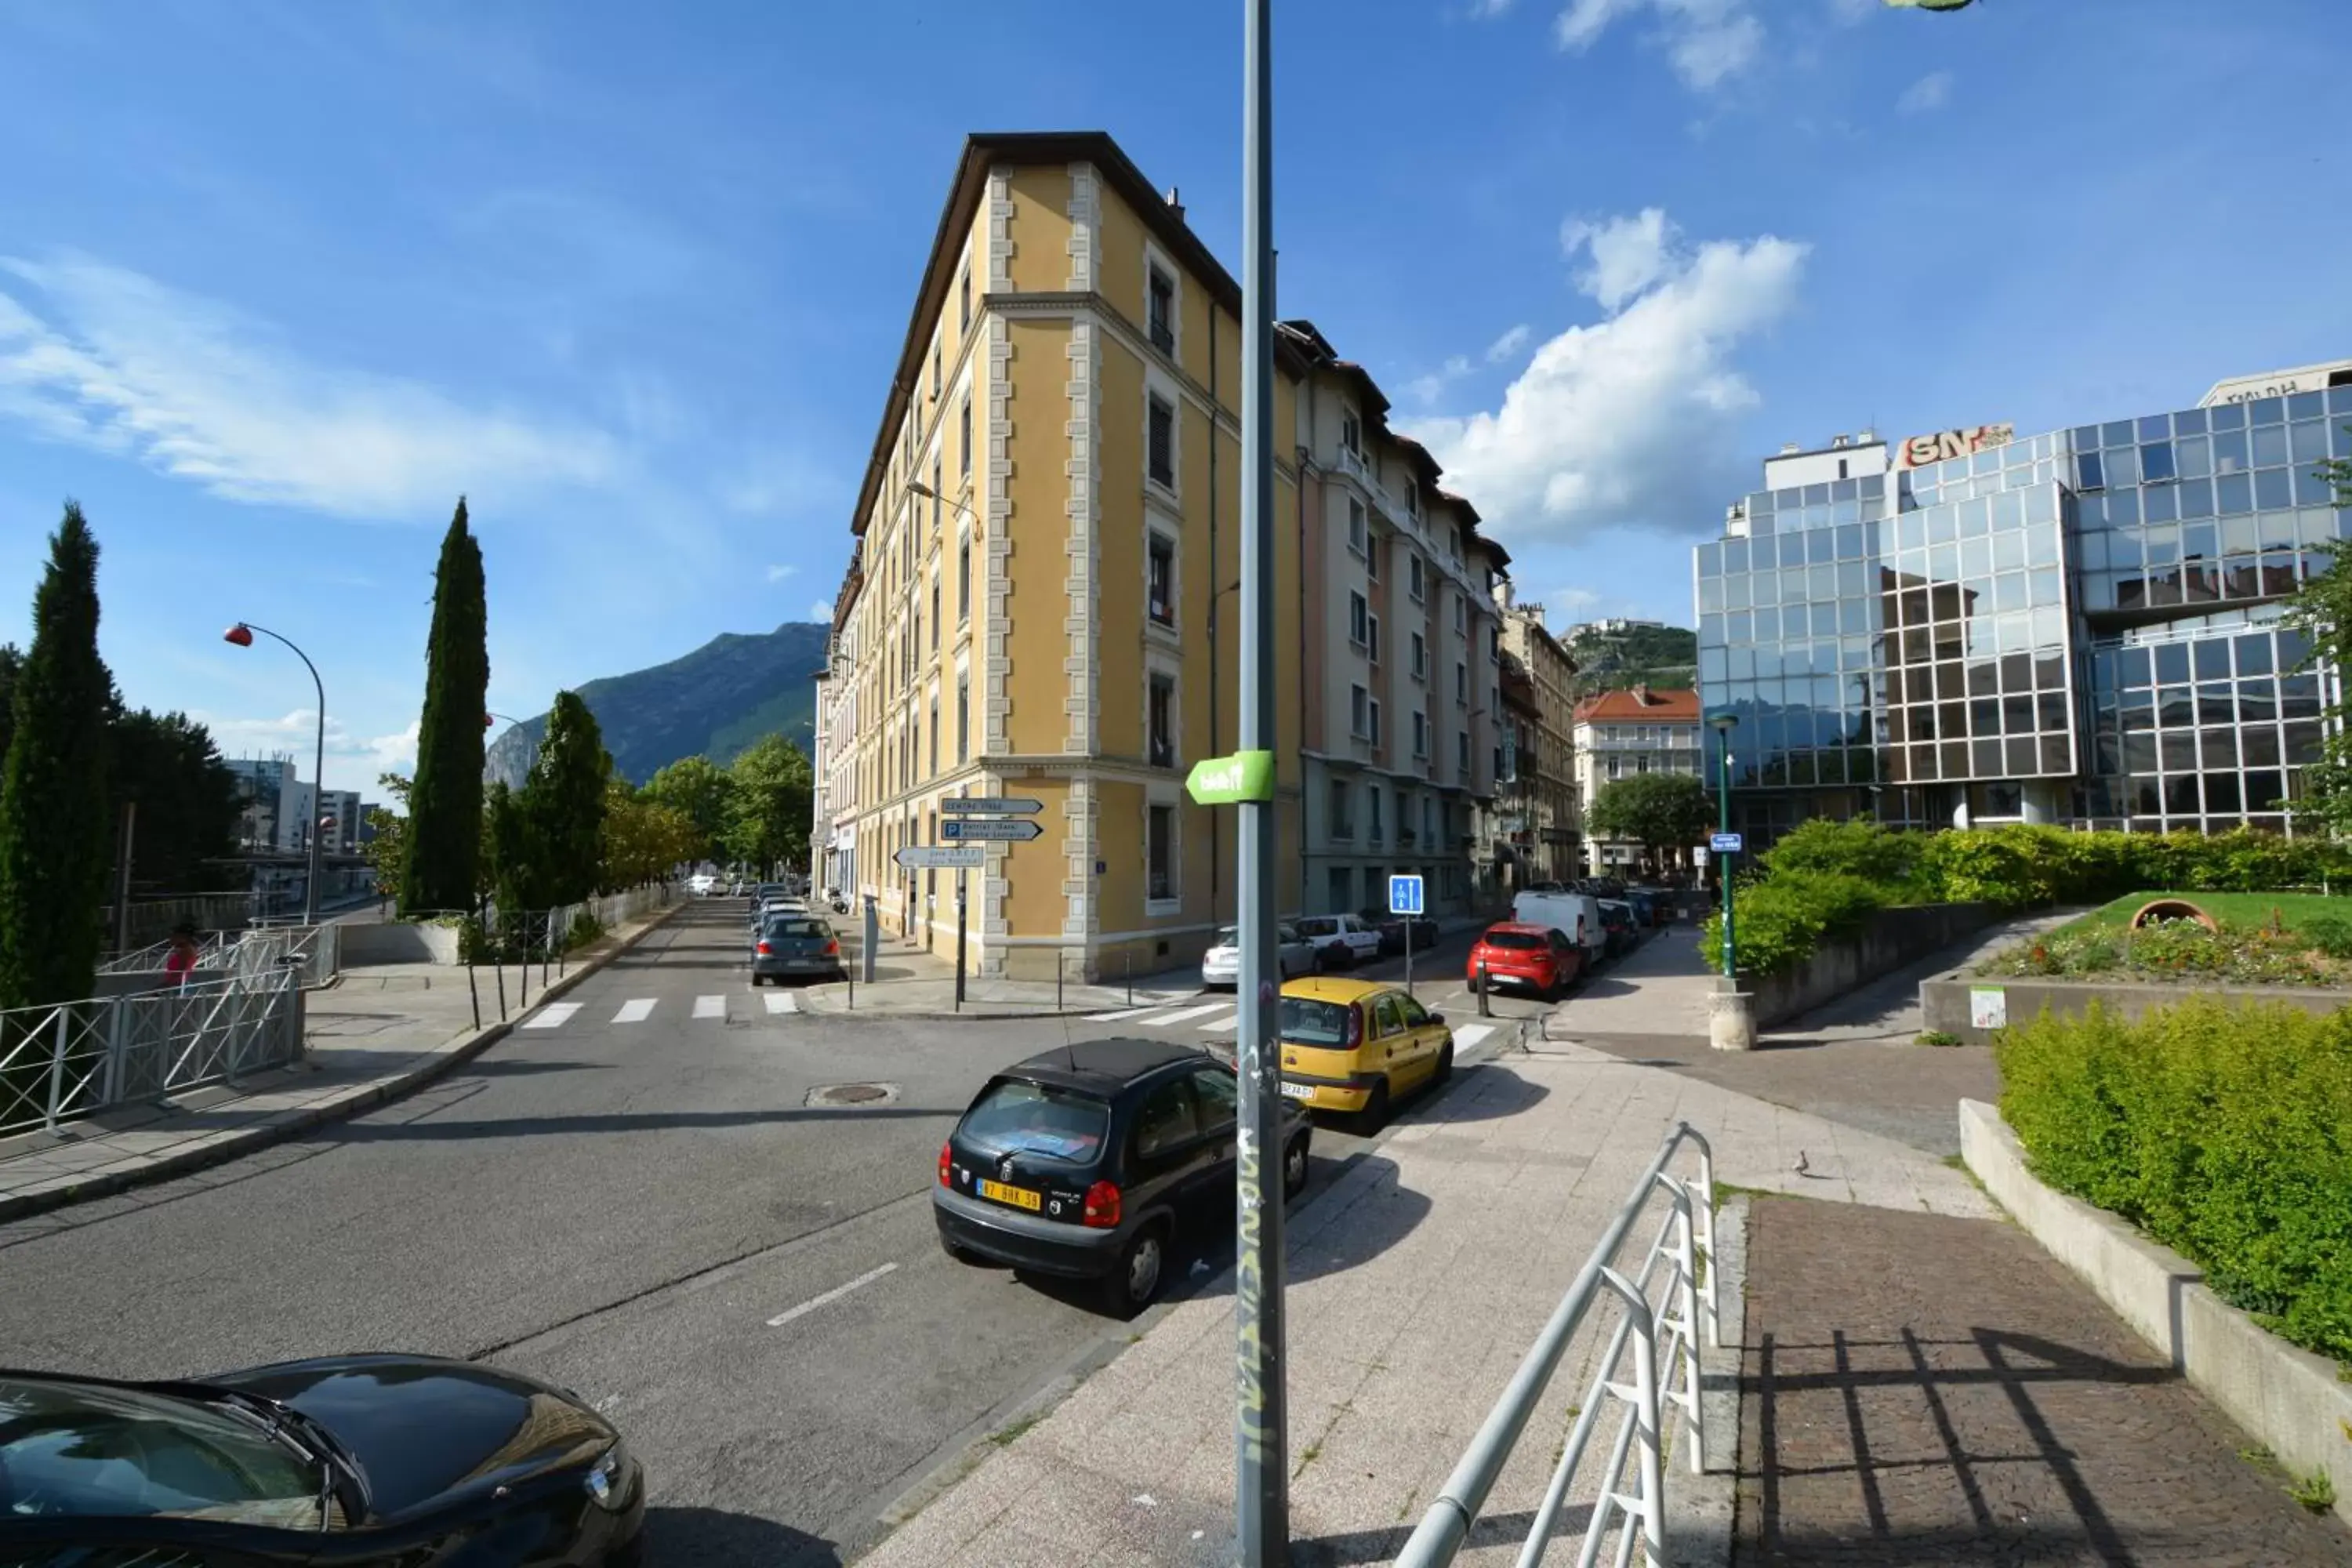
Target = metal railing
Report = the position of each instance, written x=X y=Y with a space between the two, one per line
x=1659 y=1324
x=210 y=953
x=72 y=1060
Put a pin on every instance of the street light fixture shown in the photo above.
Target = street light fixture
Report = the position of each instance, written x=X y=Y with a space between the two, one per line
x=1723 y=723
x=241 y=634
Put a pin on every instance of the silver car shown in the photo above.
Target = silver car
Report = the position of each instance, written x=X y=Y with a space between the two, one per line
x=1221 y=966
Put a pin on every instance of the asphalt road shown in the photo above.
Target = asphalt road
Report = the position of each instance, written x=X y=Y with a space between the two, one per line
x=646 y=1209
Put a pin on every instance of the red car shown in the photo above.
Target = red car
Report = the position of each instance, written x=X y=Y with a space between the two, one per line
x=1524 y=957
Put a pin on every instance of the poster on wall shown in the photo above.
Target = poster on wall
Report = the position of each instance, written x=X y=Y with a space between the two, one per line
x=1987 y=1007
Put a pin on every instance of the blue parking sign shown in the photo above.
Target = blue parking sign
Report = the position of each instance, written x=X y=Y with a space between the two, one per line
x=1404 y=896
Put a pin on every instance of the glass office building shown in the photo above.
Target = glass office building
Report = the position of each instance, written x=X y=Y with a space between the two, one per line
x=2076 y=627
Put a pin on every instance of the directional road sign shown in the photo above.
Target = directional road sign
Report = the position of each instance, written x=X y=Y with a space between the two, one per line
x=990 y=805
x=1725 y=843
x=1404 y=896
x=1017 y=829
x=941 y=857
x=1229 y=781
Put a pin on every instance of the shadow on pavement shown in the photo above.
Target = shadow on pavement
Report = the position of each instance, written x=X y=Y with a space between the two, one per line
x=700 y=1535
x=1487 y=1092
x=522 y=1066
x=1380 y=1214
x=605 y=1122
x=1356 y=1548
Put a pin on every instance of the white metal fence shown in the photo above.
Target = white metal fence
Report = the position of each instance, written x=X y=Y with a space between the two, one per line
x=67 y=1061
x=1660 y=1319
x=246 y=953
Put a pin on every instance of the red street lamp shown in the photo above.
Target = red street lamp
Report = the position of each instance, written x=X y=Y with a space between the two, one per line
x=241 y=634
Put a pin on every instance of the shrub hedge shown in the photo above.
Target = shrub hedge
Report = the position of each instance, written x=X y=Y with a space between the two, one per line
x=2224 y=1132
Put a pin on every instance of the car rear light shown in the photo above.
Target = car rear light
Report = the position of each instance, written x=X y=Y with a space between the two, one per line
x=1355 y=1025
x=1102 y=1205
x=947 y=1159
x=833 y=950
x=764 y=949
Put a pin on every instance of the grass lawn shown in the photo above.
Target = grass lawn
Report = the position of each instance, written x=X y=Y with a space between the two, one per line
x=2245 y=910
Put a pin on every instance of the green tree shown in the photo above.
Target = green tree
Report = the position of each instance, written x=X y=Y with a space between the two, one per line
x=703 y=793
x=54 y=843
x=444 y=818
x=188 y=802
x=769 y=819
x=386 y=848
x=563 y=803
x=11 y=662
x=643 y=838
x=2322 y=610
x=1654 y=810
x=510 y=863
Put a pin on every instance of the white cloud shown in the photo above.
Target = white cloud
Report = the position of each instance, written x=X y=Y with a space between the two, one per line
x=773 y=482
x=1431 y=387
x=1931 y=92
x=353 y=761
x=1705 y=40
x=779 y=572
x=820 y=610
x=1633 y=420
x=1850 y=12
x=1488 y=7
x=1510 y=344
x=119 y=362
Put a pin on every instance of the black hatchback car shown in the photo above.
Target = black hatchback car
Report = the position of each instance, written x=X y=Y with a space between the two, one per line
x=353 y=1462
x=1083 y=1161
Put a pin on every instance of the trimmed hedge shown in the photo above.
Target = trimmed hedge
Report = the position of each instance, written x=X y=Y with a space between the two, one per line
x=2223 y=1132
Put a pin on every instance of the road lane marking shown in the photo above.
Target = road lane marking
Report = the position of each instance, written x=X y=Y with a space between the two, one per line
x=1470 y=1035
x=1170 y=1020
x=552 y=1016
x=1227 y=1022
x=635 y=1011
x=835 y=1294
x=1124 y=1012
x=783 y=1002
x=710 y=1006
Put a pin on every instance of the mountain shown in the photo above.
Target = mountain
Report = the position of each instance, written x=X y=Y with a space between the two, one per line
x=1616 y=656
x=716 y=700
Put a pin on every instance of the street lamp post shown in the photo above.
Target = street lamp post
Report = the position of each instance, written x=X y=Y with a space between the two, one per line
x=241 y=634
x=1724 y=723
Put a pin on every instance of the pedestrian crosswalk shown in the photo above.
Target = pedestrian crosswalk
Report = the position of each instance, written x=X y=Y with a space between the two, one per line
x=646 y=1009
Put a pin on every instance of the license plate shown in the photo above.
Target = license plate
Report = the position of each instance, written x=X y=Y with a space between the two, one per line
x=1019 y=1198
x=1295 y=1090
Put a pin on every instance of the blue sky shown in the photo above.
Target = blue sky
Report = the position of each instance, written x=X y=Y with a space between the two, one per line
x=279 y=280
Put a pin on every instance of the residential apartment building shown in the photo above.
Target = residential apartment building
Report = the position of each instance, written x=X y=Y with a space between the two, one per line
x=274 y=803
x=2078 y=627
x=1403 y=711
x=1627 y=734
x=340 y=813
x=1537 y=797
x=1043 y=599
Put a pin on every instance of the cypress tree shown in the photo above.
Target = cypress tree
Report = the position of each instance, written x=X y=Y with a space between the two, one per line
x=54 y=837
x=445 y=804
x=565 y=803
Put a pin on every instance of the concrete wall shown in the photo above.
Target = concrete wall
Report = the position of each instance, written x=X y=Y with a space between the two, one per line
x=1894 y=938
x=2291 y=1399
x=1946 y=1000
x=397 y=941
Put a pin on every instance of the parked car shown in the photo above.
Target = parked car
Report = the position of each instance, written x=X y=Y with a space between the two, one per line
x=1084 y=1161
x=1541 y=959
x=363 y=1461
x=1660 y=905
x=1623 y=935
x=1393 y=929
x=702 y=884
x=1576 y=914
x=796 y=947
x=1341 y=942
x=1221 y=966
x=1357 y=1046
x=1644 y=907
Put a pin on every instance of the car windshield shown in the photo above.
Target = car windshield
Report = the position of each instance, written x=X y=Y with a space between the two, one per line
x=1228 y=936
x=78 y=1450
x=1015 y=1117
x=1318 y=927
x=1307 y=1022
x=798 y=928
x=1512 y=938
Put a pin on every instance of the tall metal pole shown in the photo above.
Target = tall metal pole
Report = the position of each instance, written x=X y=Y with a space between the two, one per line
x=318 y=765
x=1262 y=1511
x=1722 y=860
x=122 y=877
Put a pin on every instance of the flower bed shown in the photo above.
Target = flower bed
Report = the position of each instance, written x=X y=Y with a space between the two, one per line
x=2179 y=952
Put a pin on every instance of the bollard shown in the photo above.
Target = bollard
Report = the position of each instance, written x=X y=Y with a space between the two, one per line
x=472 y=990
x=1485 y=992
x=1061 y=969
x=1127 y=962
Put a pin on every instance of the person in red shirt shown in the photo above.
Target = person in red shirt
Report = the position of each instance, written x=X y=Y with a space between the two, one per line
x=181 y=961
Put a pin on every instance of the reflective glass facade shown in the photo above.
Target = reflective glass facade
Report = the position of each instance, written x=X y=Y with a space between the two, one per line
x=2079 y=625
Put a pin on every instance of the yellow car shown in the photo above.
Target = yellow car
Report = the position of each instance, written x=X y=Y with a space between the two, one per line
x=1357 y=1046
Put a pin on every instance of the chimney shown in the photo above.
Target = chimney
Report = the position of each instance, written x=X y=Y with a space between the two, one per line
x=1642 y=694
x=1175 y=205
x=1503 y=594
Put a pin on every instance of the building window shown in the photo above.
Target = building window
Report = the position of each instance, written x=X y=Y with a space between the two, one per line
x=1462 y=683
x=1161 y=444
x=1462 y=612
x=1360 y=615
x=1420 y=733
x=1372 y=557
x=1161 y=712
x=934 y=370
x=935 y=740
x=963 y=301
x=1420 y=657
x=1356 y=540
x=1160 y=850
x=1351 y=432
x=1376 y=721
x=938 y=499
x=963 y=441
x=1160 y=310
x=935 y=610
x=963 y=580
x=1372 y=811
x=1337 y=883
x=1359 y=706
x=1343 y=821
x=1412 y=499
x=1159 y=588
x=963 y=719
x=1462 y=753
x=1372 y=638
x=1413 y=577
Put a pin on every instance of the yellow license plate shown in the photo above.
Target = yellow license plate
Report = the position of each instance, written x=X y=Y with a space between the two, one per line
x=1019 y=1198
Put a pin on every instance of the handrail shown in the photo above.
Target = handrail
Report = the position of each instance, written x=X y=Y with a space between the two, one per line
x=1663 y=1339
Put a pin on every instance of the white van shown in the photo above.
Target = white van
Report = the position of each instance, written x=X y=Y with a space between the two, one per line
x=1575 y=915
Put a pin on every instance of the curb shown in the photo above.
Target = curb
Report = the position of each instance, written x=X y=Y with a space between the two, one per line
x=247 y=1139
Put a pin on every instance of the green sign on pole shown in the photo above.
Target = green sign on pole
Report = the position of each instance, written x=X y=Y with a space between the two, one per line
x=1229 y=781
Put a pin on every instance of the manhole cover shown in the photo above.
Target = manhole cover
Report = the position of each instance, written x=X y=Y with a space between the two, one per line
x=852 y=1094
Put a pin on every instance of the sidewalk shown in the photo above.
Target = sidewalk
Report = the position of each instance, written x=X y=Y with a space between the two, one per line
x=1416 y=1283
x=378 y=1033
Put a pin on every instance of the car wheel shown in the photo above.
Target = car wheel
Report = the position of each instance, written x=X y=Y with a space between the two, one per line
x=1135 y=1280
x=1444 y=1064
x=1376 y=1110
x=1294 y=1168
x=755 y=981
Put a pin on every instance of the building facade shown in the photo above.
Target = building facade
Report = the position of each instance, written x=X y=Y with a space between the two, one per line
x=1540 y=801
x=2082 y=626
x=1631 y=735
x=274 y=803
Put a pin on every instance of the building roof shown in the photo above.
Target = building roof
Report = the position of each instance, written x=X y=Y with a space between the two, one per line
x=1663 y=706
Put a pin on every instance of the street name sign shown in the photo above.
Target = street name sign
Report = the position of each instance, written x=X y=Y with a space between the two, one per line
x=1725 y=843
x=1016 y=829
x=1230 y=781
x=990 y=805
x=1404 y=896
x=941 y=857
